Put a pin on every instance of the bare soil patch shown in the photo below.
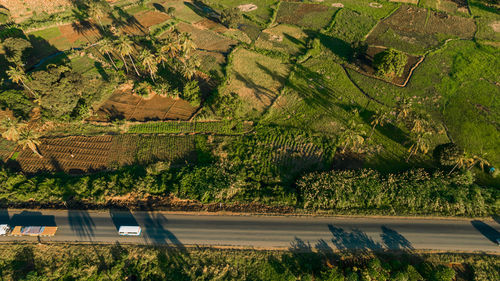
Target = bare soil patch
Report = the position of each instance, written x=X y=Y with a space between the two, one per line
x=150 y=18
x=211 y=25
x=495 y=26
x=73 y=34
x=365 y=66
x=21 y=9
x=337 y=5
x=375 y=5
x=247 y=7
x=125 y=105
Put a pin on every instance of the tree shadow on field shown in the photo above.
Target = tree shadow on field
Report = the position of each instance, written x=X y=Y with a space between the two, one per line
x=23 y=262
x=81 y=223
x=486 y=230
x=302 y=259
x=101 y=71
x=337 y=46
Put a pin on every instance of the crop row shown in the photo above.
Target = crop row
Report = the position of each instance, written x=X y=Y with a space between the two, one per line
x=178 y=127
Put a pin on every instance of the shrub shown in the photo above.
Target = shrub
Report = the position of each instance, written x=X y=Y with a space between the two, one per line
x=191 y=93
x=230 y=17
x=447 y=154
x=390 y=62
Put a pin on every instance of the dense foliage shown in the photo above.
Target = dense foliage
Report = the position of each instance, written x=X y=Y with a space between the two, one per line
x=390 y=62
x=413 y=192
x=122 y=262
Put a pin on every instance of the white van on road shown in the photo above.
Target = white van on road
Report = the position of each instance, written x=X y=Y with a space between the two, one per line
x=129 y=230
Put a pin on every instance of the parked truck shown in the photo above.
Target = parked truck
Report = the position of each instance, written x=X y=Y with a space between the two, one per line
x=27 y=230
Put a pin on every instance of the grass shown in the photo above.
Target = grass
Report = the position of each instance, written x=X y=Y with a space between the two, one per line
x=455 y=86
x=428 y=30
x=363 y=7
x=351 y=26
x=257 y=79
x=183 y=11
x=262 y=14
x=283 y=38
x=129 y=262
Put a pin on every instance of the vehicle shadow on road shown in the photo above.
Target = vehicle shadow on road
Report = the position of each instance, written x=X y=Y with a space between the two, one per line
x=4 y=216
x=122 y=217
x=486 y=230
x=81 y=223
x=30 y=218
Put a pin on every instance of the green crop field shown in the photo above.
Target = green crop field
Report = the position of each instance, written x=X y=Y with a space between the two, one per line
x=247 y=101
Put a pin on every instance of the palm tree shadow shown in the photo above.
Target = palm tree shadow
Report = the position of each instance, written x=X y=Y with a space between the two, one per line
x=395 y=241
x=81 y=223
x=486 y=230
x=355 y=240
x=156 y=234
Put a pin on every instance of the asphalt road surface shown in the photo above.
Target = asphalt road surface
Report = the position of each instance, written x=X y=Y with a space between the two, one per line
x=316 y=233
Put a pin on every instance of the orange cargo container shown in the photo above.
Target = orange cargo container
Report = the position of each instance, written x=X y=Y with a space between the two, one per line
x=34 y=231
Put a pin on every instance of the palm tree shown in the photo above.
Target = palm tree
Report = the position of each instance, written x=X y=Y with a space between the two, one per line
x=171 y=47
x=97 y=11
x=380 y=119
x=150 y=62
x=462 y=161
x=352 y=136
x=18 y=76
x=108 y=48
x=422 y=144
x=188 y=68
x=125 y=48
x=186 y=44
x=28 y=139
x=419 y=125
x=403 y=109
x=11 y=127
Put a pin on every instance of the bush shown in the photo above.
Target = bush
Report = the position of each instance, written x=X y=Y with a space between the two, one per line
x=230 y=17
x=413 y=192
x=390 y=62
x=447 y=154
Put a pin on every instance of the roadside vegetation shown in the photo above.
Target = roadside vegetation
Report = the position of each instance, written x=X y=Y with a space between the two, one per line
x=354 y=106
x=123 y=262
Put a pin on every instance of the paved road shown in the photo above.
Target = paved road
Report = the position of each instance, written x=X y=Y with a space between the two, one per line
x=262 y=231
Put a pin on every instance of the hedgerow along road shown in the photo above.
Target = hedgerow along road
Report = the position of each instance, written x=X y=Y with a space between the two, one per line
x=274 y=232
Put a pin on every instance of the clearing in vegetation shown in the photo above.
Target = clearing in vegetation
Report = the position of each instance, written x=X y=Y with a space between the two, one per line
x=124 y=105
x=313 y=16
x=256 y=78
x=416 y=30
x=284 y=38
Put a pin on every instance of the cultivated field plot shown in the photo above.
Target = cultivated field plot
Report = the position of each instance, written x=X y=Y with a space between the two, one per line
x=176 y=127
x=125 y=105
x=76 y=154
x=80 y=154
x=449 y=6
x=6 y=149
x=374 y=9
x=185 y=10
x=256 y=78
x=21 y=9
x=284 y=38
x=208 y=40
x=145 y=20
x=351 y=26
x=365 y=66
x=313 y=16
x=415 y=30
x=143 y=149
x=258 y=9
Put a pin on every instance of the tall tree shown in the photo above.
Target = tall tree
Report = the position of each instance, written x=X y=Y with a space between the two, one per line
x=126 y=48
x=18 y=76
x=97 y=10
x=149 y=62
x=28 y=139
x=107 y=47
